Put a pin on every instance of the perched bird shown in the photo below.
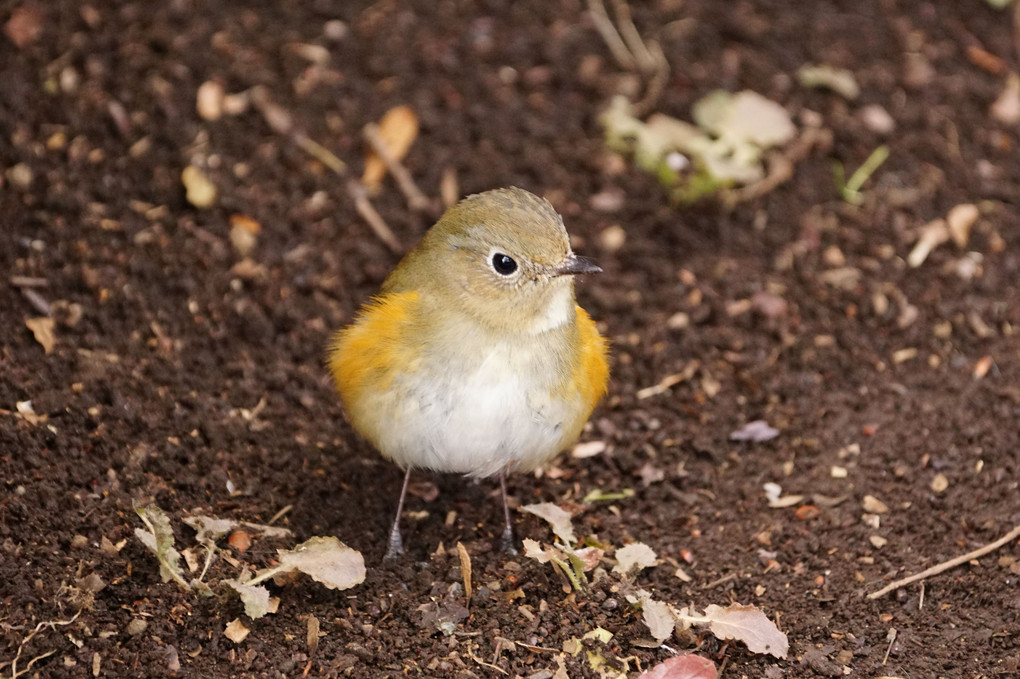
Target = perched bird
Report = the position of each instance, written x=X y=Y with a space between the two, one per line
x=474 y=357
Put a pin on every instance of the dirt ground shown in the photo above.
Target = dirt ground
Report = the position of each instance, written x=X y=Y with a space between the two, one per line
x=185 y=376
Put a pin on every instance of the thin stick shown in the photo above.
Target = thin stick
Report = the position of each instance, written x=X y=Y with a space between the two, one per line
x=282 y=122
x=416 y=200
x=367 y=211
x=946 y=565
x=611 y=36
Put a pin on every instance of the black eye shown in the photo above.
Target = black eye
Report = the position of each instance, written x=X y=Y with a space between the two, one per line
x=503 y=264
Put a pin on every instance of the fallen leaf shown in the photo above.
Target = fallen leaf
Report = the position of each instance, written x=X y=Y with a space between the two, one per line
x=312 y=635
x=658 y=617
x=755 y=432
x=557 y=517
x=254 y=597
x=326 y=560
x=397 y=128
x=42 y=330
x=465 y=568
x=747 y=624
x=159 y=538
x=635 y=555
x=236 y=631
x=683 y=666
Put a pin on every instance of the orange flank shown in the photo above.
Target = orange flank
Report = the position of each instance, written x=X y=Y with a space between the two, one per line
x=591 y=373
x=364 y=354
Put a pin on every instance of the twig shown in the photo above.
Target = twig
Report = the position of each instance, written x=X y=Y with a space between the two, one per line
x=611 y=36
x=946 y=565
x=416 y=200
x=365 y=208
x=629 y=32
x=631 y=51
x=280 y=120
x=471 y=654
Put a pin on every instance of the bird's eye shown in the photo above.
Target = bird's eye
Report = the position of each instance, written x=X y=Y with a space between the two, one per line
x=503 y=264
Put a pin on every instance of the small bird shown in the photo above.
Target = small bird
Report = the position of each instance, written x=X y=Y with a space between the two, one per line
x=474 y=357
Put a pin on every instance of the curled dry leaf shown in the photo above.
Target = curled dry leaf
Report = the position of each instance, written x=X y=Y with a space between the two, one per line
x=42 y=330
x=635 y=555
x=557 y=517
x=397 y=129
x=684 y=666
x=159 y=538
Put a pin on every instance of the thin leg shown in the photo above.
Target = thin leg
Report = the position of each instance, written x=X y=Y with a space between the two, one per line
x=508 y=530
x=396 y=546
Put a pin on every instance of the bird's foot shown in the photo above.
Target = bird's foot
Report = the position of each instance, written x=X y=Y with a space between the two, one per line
x=508 y=542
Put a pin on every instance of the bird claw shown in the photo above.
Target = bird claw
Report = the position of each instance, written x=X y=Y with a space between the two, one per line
x=508 y=542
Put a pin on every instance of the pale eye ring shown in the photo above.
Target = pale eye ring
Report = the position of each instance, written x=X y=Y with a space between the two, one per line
x=505 y=265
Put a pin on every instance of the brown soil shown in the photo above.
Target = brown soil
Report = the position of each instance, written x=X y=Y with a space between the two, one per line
x=142 y=394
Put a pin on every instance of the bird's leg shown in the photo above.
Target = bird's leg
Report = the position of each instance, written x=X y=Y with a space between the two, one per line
x=508 y=530
x=396 y=546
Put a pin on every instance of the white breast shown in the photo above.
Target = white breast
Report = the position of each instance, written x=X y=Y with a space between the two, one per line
x=478 y=423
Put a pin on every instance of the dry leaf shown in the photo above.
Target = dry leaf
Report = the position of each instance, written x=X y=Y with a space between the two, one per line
x=635 y=555
x=465 y=568
x=312 y=637
x=254 y=597
x=747 y=624
x=533 y=550
x=159 y=538
x=776 y=499
x=326 y=560
x=684 y=666
x=42 y=330
x=658 y=617
x=397 y=129
x=236 y=631
x=557 y=517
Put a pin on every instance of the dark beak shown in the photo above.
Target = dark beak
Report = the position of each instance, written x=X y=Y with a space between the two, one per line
x=574 y=265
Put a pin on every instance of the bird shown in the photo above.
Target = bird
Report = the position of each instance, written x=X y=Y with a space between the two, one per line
x=474 y=357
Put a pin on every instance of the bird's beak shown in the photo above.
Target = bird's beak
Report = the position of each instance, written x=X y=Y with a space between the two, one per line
x=574 y=265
